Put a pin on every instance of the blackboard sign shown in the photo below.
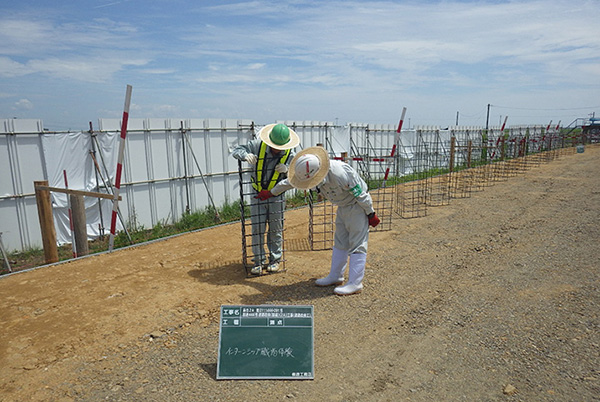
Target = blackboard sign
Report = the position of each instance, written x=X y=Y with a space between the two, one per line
x=266 y=342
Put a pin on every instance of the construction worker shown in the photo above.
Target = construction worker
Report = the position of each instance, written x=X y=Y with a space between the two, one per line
x=270 y=154
x=339 y=183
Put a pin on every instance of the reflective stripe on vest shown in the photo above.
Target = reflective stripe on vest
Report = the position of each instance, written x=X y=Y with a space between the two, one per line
x=261 y=167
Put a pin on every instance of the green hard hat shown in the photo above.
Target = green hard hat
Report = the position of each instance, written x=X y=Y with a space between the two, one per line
x=280 y=134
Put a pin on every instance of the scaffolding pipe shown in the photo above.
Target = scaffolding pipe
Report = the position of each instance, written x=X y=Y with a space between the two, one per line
x=4 y=254
x=93 y=154
x=201 y=175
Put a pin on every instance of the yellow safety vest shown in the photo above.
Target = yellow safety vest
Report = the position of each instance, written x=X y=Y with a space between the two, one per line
x=261 y=167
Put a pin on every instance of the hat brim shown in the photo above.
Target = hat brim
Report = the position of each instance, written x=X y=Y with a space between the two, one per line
x=323 y=157
x=265 y=132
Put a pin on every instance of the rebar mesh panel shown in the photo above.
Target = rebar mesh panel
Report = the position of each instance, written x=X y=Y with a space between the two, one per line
x=476 y=160
x=383 y=203
x=461 y=184
x=321 y=226
x=410 y=199
x=519 y=160
x=499 y=170
x=495 y=149
x=481 y=177
x=536 y=147
x=438 y=154
x=380 y=174
x=412 y=167
x=438 y=190
x=250 y=219
x=460 y=158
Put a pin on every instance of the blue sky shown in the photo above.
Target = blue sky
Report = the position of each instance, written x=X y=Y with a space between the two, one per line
x=69 y=62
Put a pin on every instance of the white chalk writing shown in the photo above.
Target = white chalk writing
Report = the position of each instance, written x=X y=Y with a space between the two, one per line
x=285 y=352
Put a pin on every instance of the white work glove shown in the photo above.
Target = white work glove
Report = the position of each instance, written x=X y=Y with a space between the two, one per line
x=251 y=159
x=281 y=168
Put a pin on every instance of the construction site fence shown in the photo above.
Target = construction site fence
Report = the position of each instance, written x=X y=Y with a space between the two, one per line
x=174 y=166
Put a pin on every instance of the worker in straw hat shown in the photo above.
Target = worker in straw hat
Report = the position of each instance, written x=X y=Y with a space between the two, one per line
x=270 y=155
x=339 y=183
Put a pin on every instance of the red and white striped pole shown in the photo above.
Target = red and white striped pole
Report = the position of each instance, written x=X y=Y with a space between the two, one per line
x=70 y=216
x=396 y=137
x=401 y=120
x=504 y=124
x=113 y=220
x=500 y=136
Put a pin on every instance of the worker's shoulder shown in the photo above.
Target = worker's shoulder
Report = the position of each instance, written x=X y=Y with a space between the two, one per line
x=341 y=166
x=254 y=143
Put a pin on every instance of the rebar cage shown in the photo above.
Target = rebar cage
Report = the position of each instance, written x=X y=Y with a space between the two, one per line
x=257 y=222
x=422 y=168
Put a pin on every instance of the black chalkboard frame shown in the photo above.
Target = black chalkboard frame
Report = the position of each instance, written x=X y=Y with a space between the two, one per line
x=266 y=342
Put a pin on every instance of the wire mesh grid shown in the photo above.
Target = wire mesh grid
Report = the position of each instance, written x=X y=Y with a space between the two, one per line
x=518 y=141
x=461 y=176
x=438 y=179
x=321 y=228
x=541 y=146
x=412 y=190
x=262 y=222
x=496 y=152
x=477 y=158
x=383 y=203
x=378 y=169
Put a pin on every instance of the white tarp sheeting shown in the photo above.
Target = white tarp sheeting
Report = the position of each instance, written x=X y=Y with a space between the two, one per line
x=70 y=152
x=340 y=140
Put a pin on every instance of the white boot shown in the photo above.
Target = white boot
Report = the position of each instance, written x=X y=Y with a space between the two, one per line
x=355 y=275
x=339 y=259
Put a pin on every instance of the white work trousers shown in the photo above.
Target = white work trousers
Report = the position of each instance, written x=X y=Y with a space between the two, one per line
x=351 y=229
x=267 y=213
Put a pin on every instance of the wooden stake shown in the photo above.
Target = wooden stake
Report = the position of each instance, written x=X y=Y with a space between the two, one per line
x=79 y=224
x=44 y=205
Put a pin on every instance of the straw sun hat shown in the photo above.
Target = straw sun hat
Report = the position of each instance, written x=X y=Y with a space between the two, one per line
x=279 y=136
x=308 y=168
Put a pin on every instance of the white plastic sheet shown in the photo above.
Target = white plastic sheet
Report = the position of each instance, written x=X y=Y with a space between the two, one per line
x=71 y=152
x=340 y=140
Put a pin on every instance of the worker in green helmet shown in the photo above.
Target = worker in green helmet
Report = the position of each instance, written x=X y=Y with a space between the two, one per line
x=270 y=155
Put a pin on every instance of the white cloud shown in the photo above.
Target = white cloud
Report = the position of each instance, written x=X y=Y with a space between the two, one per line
x=89 y=70
x=414 y=40
x=256 y=66
x=11 y=68
x=18 y=36
x=92 y=51
x=158 y=71
x=23 y=104
x=165 y=110
x=364 y=59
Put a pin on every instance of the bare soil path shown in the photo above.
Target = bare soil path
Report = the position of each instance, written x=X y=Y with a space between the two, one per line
x=491 y=298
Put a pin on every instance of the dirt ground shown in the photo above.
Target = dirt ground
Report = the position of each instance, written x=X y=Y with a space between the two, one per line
x=495 y=297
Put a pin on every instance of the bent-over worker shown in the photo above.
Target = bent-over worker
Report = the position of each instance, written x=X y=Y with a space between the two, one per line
x=338 y=182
